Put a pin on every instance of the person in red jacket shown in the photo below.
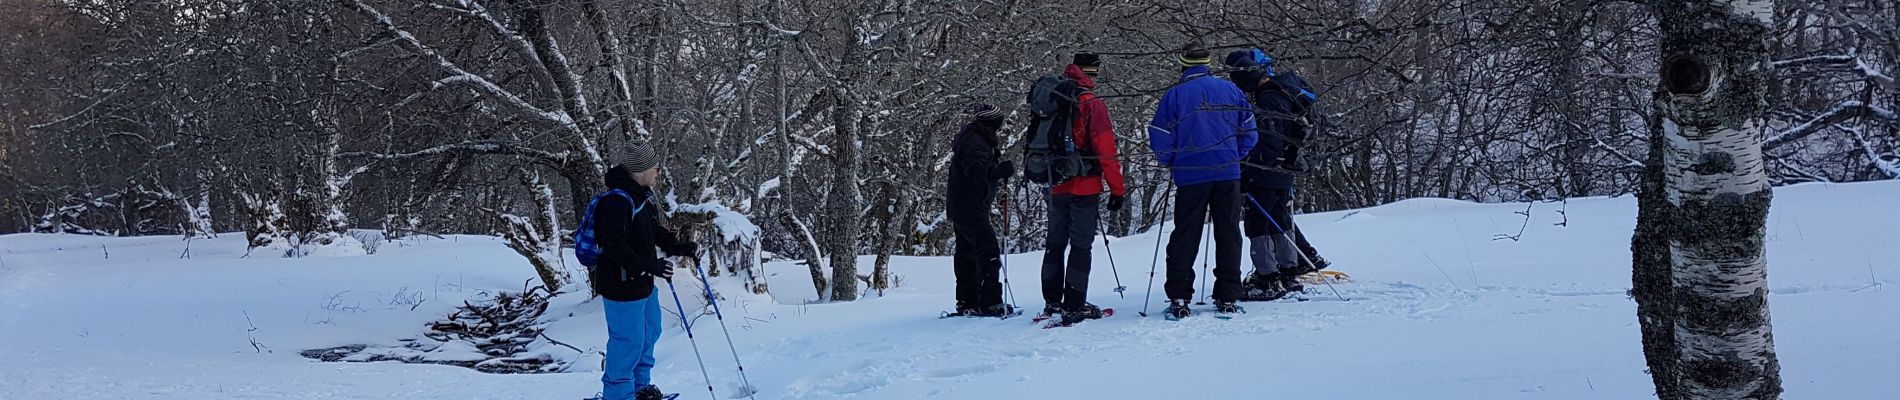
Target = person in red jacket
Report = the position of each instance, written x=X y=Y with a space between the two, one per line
x=1075 y=204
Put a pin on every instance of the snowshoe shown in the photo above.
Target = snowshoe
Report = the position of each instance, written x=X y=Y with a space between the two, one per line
x=1325 y=277
x=1227 y=309
x=1083 y=313
x=1003 y=311
x=996 y=311
x=1177 y=309
x=1262 y=287
x=1048 y=312
x=1065 y=322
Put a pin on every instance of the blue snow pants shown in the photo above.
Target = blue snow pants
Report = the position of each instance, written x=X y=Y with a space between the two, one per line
x=633 y=328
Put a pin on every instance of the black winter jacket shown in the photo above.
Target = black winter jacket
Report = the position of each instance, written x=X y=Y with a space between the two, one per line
x=1280 y=112
x=975 y=173
x=630 y=244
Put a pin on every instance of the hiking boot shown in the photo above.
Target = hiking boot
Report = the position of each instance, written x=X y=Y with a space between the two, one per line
x=1177 y=309
x=1050 y=311
x=650 y=392
x=1259 y=280
x=1313 y=263
x=1291 y=285
x=998 y=310
x=1226 y=307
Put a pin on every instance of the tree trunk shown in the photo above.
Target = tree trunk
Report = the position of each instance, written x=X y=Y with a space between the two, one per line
x=1715 y=186
x=845 y=197
x=889 y=236
x=814 y=259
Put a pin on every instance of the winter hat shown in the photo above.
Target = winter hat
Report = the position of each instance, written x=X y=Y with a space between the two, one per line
x=1193 y=54
x=1240 y=59
x=984 y=112
x=1089 y=62
x=639 y=158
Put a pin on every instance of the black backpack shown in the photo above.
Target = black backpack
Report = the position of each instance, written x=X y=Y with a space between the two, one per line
x=1050 y=154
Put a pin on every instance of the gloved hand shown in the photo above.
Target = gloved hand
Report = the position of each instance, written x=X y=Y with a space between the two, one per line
x=1292 y=164
x=1004 y=170
x=685 y=249
x=1115 y=203
x=662 y=269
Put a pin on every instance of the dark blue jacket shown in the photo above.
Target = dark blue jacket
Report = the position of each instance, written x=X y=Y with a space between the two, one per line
x=1281 y=105
x=1202 y=128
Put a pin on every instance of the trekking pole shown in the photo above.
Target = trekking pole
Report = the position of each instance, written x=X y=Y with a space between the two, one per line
x=1289 y=238
x=689 y=337
x=713 y=299
x=1156 y=260
x=1009 y=293
x=1206 y=253
x=1111 y=268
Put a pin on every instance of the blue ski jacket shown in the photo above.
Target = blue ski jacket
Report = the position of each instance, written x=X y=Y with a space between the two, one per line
x=1202 y=128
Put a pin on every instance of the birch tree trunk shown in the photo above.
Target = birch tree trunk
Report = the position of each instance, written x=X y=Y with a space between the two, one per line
x=1715 y=190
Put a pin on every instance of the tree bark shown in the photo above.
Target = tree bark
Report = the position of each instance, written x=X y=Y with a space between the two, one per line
x=1715 y=185
x=846 y=198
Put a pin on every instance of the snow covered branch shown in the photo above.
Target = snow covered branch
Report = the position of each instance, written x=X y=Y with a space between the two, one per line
x=1839 y=113
x=472 y=147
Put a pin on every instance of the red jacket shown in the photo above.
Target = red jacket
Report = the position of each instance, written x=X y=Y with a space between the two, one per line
x=1093 y=129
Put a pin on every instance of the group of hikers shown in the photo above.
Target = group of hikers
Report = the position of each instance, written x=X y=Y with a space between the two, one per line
x=1232 y=147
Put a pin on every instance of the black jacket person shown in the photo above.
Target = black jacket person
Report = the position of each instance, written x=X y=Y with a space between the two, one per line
x=975 y=176
x=1281 y=106
x=628 y=230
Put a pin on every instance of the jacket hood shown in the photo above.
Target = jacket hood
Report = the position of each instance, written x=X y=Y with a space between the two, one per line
x=1194 y=70
x=1074 y=73
x=982 y=130
x=619 y=178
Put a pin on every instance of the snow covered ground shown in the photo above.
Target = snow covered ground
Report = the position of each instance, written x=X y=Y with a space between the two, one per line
x=1440 y=310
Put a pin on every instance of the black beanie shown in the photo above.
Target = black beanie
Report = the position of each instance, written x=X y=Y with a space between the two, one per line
x=1240 y=59
x=1090 y=63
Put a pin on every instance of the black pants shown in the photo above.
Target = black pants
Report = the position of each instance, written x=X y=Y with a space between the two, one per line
x=1072 y=224
x=1278 y=203
x=977 y=262
x=1192 y=208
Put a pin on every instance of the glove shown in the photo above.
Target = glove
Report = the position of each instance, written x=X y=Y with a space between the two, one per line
x=1004 y=170
x=1115 y=203
x=662 y=269
x=684 y=249
x=1292 y=164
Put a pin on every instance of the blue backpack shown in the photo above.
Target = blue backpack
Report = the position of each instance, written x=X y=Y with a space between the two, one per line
x=585 y=248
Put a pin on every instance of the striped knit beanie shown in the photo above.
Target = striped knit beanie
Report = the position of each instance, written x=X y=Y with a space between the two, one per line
x=1193 y=54
x=639 y=158
x=984 y=112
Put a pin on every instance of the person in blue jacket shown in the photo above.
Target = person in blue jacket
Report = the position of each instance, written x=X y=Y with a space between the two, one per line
x=1202 y=128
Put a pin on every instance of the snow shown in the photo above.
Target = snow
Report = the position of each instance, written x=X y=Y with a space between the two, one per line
x=733 y=226
x=768 y=186
x=1438 y=310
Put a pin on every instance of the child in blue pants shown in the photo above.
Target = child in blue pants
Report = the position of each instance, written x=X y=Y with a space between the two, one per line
x=630 y=239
